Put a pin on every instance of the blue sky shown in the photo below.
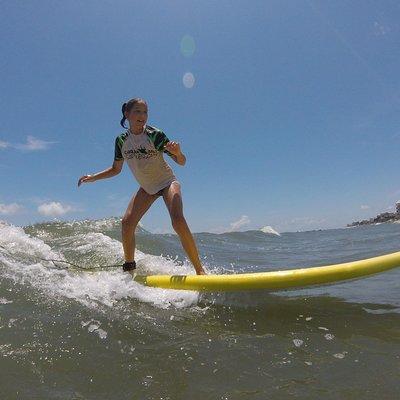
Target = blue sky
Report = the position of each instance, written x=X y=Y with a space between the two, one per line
x=292 y=120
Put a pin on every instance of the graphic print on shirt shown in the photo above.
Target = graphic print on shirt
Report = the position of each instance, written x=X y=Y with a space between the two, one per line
x=140 y=152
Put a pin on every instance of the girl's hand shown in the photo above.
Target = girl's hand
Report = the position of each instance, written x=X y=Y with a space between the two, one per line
x=173 y=147
x=85 y=178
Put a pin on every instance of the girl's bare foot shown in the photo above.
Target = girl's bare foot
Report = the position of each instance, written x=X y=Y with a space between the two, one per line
x=202 y=272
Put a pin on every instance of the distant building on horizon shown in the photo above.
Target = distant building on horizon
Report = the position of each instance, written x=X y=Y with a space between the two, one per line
x=398 y=207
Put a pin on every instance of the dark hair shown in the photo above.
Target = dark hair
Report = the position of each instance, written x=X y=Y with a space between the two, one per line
x=128 y=106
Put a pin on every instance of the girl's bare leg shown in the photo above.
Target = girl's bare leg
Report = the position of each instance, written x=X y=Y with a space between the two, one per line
x=137 y=207
x=173 y=200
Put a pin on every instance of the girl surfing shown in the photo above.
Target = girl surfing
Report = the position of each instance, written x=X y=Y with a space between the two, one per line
x=142 y=147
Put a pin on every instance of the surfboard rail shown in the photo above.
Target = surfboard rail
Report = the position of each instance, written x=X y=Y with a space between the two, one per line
x=275 y=280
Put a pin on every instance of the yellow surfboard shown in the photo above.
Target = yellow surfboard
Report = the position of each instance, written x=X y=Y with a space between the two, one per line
x=274 y=280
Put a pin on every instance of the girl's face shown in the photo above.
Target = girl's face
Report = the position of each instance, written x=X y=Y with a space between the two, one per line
x=137 y=116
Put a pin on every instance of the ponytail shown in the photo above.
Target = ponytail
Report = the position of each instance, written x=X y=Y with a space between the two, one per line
x=122 y=123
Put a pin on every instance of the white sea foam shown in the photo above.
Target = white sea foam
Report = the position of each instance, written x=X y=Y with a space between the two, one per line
x=18 y=243
x=94 y=326
x=270 y=230
x=298 y=342
x=340 y=355
x=91 y=289
x=329 y=336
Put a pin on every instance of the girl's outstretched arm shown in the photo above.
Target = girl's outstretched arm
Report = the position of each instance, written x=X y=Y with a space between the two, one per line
x=115 y=169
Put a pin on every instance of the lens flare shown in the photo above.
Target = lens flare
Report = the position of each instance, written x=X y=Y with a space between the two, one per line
x=188 y=80
x=187 y=46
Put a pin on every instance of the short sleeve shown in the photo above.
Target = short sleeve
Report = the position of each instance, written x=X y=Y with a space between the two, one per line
x=118 y=149
x=160 y=141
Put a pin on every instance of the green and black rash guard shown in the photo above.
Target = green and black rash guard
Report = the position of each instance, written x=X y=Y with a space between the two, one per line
x=144 y=155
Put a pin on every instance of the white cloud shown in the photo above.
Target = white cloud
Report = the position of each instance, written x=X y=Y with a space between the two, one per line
x=8 y=209
x=54 y=209
x=364 y=207
x=4 y=145
x=33 y=144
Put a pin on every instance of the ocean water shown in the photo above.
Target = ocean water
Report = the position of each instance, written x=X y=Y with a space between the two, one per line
x=71 y=334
